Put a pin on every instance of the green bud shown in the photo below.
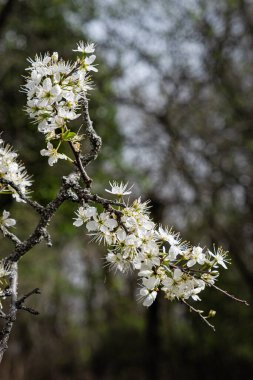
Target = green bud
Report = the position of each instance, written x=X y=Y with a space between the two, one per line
x=211 y=313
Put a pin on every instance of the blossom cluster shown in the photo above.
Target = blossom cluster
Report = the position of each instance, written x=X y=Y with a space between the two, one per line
x=55 y=89
x=13 y=172
x=164 y=262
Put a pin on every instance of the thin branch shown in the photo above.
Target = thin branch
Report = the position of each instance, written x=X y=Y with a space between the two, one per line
x=33 y=204
x=29 y=310
x=27 y=295
x=20 y=303
x=95 y=140
x=11 y=317
x=229 y=295
x=11 y=236
x=199 y=313
x=79 y=164
x=40 y=232
x=85 y=195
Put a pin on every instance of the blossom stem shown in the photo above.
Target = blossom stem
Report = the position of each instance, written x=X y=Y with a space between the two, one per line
x=229 y=295
x=78 y=162
x=199 y=313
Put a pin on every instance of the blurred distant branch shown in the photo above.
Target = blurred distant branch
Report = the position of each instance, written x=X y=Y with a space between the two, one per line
x=5 y=13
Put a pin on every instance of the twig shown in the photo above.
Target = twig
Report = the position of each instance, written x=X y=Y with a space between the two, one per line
x=11 y=236
x=199 y=313
x=78 y=162
x=85 y=195
x=20 y=303
x=229 y=295
x=40 y=231
x=104 y=201
x=95 y=140
x=27 y=295
x=33 y=204
x=29 y=310
x=11 y=317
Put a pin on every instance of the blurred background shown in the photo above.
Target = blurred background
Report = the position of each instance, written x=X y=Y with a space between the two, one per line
x=173 y=102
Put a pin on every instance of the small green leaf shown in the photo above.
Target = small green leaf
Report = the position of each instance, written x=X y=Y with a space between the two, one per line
x=68 y=136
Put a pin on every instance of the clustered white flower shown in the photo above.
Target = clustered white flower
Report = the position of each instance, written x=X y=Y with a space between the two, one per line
x=164 y=262
x=55 y=89
x=13 y=171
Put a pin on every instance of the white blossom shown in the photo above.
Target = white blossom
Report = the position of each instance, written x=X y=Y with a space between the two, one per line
x=53 y=154
x=84 y=214
x=117 y=262
x=48 y=93
x=168 y=236
x=85 y=48
x=197 y=256
x=88 y=63
x=6 y=222
x=13 y=171
x=147 y=296
x=220 y=258
x=119 y=189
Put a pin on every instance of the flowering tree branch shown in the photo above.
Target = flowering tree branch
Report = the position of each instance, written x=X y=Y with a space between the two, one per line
x=56 y=92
